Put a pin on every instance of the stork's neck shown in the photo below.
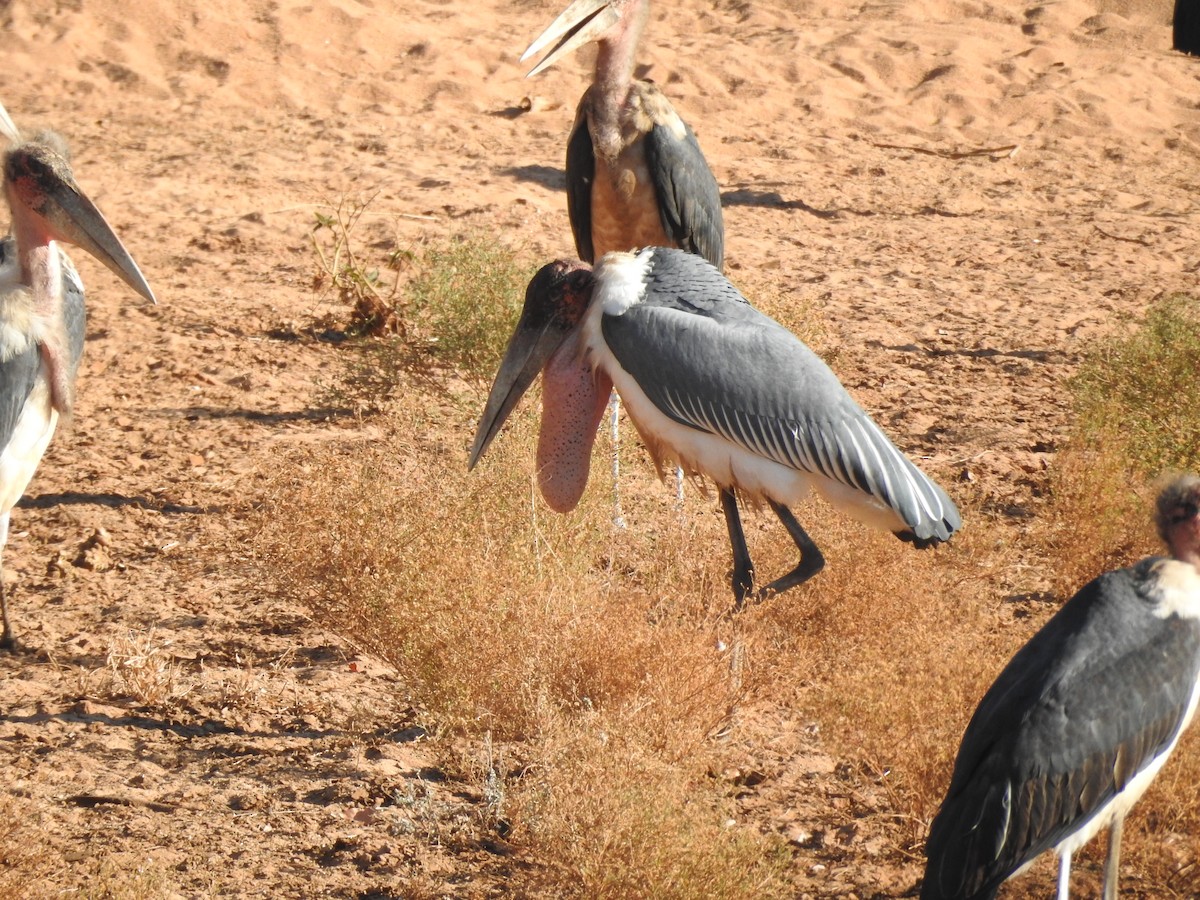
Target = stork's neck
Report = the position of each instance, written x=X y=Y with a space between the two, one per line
x=41 y=271
x=1184 y=540
x=615 y=60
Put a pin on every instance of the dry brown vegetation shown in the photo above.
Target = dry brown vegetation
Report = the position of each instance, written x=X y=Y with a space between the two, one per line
x=279 y=643
x=600 y=664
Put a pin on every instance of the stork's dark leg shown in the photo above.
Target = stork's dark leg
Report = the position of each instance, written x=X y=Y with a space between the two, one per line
x=811 y=560
x=1112 y=865
x=743 y=568
x=6 y=633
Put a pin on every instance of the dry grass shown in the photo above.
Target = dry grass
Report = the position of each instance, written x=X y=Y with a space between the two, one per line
x=619 y=821
x=25 y=861
x=603 y=661
x=491 y=608
x=142 y=668
x=550 y=631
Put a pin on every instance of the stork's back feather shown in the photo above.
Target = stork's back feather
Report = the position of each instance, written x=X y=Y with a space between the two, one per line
x=707 y=359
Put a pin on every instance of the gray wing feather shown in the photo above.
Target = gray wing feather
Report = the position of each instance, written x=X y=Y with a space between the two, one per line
x=689 y=201
x=18 y=373
x=74 y=312
x=1083 y=707
x=581 y=172
x=709 y=360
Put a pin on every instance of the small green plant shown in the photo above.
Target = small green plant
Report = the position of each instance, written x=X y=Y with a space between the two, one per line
x=467 y=296
x=1135 y=420
x=1133 y=391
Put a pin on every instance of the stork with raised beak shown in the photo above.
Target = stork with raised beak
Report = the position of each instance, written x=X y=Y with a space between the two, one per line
x=711 y=383
x=42 y=316
x=635 y=174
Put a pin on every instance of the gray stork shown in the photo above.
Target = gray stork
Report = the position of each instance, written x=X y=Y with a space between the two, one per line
x=711 y=382
x=635 y=173
x=1079 y=722
x=42 y=315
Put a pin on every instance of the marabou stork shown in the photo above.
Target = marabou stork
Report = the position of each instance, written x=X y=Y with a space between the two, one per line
x=711 y=382
x=42 y=315
x=635 y=174
x=1079 y=722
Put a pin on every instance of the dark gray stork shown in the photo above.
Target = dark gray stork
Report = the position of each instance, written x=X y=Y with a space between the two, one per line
x=1079 y=722
x=712 y=383
x=635 y=173
x=42 y=315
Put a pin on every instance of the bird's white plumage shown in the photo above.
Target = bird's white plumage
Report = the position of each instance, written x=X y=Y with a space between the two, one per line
x=620 y=282
x=20 y=457
x=1179 y=589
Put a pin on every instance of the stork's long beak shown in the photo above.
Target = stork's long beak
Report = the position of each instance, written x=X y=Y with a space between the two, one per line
x=8 y=130
x=43 y=177
x=529 y=348
x=580 y=23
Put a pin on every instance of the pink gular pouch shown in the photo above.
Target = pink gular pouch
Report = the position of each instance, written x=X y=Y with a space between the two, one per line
x=573 y=401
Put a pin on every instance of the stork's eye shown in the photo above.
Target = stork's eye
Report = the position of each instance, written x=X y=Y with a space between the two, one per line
x=1184 y=512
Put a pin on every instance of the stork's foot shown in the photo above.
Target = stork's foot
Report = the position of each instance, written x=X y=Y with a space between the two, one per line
x=811 y=559
x=8 y=641
x=811 y=562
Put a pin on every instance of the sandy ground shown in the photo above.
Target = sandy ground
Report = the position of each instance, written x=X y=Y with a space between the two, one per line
x=964 y=189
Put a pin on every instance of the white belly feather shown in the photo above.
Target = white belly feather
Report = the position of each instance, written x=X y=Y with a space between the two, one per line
x=20 y=458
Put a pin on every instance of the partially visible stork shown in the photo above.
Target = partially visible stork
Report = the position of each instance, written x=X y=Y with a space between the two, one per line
x=42 y=316
x=712 y=383
x=1079 y=722
x=635 y=174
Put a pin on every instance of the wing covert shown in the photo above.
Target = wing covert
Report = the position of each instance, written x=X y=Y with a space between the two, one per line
x=18 y=374
x=689 y=200
x=581 y=172
x=711 y=361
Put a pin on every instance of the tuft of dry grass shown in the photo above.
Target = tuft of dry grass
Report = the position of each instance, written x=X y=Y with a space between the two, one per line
x=613 y=820
x=1135 y=420
x=490 y=607
x=142 y=668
